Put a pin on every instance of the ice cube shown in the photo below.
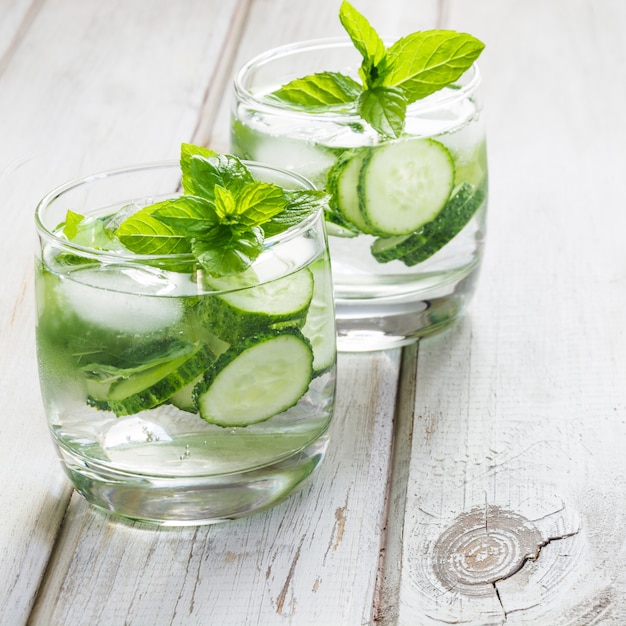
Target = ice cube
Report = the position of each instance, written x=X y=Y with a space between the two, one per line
x=302 y=156
x=129 y=300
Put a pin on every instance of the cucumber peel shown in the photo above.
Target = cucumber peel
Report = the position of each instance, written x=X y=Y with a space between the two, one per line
x=319 y=328
x=247 y=310
x=127 y=391
x=343 y=187
x=255 y=380
x=421 y=245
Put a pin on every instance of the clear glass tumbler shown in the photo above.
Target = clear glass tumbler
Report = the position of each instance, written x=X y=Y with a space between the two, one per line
x=125 y=342
x=395 y=280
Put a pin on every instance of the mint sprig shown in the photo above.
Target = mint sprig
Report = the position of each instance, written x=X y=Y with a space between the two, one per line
x=326 y=91
x=222 y=218
x=412 y=68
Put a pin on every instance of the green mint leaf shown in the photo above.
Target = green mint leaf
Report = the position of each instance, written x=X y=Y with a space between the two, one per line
x=424 y=62
x=126 y=366
x=323 y=91
x=228 y=250
x=412 y=68
x=187 y=215
x=225 y=205
x=218 y=219
x=204 y=169
x=384 y=108
x=300 y=204
x=259 y=202
x=142 y=233
x=188 y=151
x=72 y=222
x=366 y=40
x=96 y=234
x=252 y=205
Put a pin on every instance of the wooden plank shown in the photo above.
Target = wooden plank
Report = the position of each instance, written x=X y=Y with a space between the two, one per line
x=514 y=507
x=91 y=85
x=311 y=559
x=15 y=19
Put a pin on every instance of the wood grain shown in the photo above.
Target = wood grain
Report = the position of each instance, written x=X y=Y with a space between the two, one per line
x=475 y=480
x=518 y=413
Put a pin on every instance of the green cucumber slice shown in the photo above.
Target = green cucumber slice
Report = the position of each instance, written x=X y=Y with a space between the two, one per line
x=338 y=228
x=415 y=248
x=319 y=328
x=449 y=223
x=252 y=308
x=403 y=185
x=183 y=398
x=386 y=249
x=343 y=183
x=256 y=380
x=127 y=391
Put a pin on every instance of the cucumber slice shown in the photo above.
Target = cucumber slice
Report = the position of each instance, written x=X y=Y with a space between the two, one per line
x=415 y=248
x=386 y=249
x=343 y=184
x=183 y=398
x=333 y=229
x=256 y=380
x=319 y=328
x=126 y=391
x=251 y=309
x=404 y=185
x=449 y=223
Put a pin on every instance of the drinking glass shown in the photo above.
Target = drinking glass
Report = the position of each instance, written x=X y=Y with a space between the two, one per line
x=393 y=282
x=130 y=346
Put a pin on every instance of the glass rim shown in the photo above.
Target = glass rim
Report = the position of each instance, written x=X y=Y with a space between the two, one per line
x=126 y=255
x=311 y=45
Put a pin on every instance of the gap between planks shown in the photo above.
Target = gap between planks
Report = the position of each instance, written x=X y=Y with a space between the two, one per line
x=387 y=590
x=220 y=84
x=29 y=17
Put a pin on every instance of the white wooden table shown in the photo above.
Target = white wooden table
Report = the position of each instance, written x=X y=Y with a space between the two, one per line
x=477 y=478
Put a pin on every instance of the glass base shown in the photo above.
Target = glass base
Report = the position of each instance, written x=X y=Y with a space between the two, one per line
x=367 y=325
x=191 y=501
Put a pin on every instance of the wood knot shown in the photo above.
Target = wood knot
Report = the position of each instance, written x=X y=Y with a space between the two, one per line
x=483 y=546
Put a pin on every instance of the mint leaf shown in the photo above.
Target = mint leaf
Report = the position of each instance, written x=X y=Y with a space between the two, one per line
x=325 y=91
x=384 y=108
x=225 y=251
x=188 y=151
x=300 y=204
x=412 y=68
x=219 y=219
x=72 y=222
x=424 y=62
x=202 y=169
x=94 y=233
x=142 y=233
x=226 y=207
x=251 y=206
x=186 y=215
x=259 y=202
x=153 y=355
x=366 y=40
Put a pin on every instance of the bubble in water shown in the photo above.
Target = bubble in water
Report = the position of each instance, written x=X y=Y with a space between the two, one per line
x=186 y=454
